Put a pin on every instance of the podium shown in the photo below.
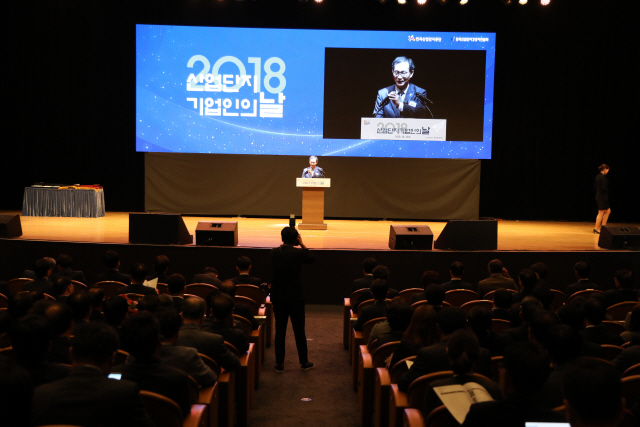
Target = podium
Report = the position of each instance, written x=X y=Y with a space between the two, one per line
x=313 y=202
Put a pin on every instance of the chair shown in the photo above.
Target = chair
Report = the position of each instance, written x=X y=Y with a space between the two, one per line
x=253 y=292
x=499 y=325
x=439 y=417
x=468 y=306
x=8 y=352
x=497 y=369
x=557 y=301
x=257 y=338
x=631 y=390
x=619 y=311
x=586 y=294
x=490 y=295
x=199 y=289
x=49 y=297
x=457 y=297
x=364 y=304
x=4 y=301
x=253 y=305
x=258 y=295
x=613 y=327
x=212 y=364
x=15 y=285
x=110 y=287
x=79 y=285
x=382 y=388
x=162 y=288
x=245 y=385
x=399 y=401
x=419 y=303
x=164 y=412
x=121 y=357
x=134 y=297
x=408 y=293
x=412 y=418
x=357 y=339
x=366 y=377
x=610 y=352
x=632 y=370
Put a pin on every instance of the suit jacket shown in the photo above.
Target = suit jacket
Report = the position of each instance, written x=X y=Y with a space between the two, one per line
x=59 y=350
x=413 y=106
x=500 y=313
x=513 y=411
x=244 y=310
x=233 y=335
x=137 y=288
x=187 y=359
x=600 y=335
x=366 y=295
x=71 y=274
x=580 y=285
x=629 y=357
x=286 y=266
x=45 y=372
x=87 y=398
x=373 y=311
x=318 y=172
x=362 y=283
x=177 y=303
x=456 y=284
x=208 y=278
x=113 y=275
x=212 y=345
x=495 y=281
x=42 y=284
x=245 y=279
x=614 y=296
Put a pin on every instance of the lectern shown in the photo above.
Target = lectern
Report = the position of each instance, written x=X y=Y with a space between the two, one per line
x=313 y=202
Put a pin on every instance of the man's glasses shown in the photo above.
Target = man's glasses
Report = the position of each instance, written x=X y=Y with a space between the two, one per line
x=401 y=73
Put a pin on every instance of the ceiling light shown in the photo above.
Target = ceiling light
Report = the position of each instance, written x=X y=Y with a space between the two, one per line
x=421 y=2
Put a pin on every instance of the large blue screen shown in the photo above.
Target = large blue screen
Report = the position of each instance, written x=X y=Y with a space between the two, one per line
x=304 y=92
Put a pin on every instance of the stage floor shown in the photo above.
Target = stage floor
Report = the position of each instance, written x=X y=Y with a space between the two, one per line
x=341 y=234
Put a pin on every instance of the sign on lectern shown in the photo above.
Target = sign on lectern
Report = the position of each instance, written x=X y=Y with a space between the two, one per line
x=313 y=202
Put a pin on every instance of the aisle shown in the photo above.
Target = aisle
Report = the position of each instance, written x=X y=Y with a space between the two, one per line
x=333 y=402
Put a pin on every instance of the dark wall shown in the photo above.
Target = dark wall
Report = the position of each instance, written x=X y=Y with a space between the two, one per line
x=565 y=94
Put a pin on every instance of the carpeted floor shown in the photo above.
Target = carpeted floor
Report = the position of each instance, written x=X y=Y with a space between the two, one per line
x=279 y=400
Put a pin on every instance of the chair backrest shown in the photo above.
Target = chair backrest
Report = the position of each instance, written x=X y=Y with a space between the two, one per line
x=468 y=306
x=253 y=292
x=121 y=357
x=9 y=353
x=79 y=285
x=417 y=388
x=163 y=411
x=192 y=296
x=620 y=310
x=162 y=288
x=212 y=364
x=364 y=304
x=557 y=301
x=367 y=327
x=244 y=323
x=586 y=294
x=440 y=417
x=110 y=287
x=632 y=370
x=15 y=285
x=631 y=390
x=382 y=355
x=399 y=369
x=497 y=365
x=253 y=305
x=499 y=325
x=408 y=293
x=4 y=301
x=610 y=352
x=613 y=327
x=194 y=390
x=457 y=297
x=199 y=289
x=354 y=296
x=134 y=297
x=491 y=294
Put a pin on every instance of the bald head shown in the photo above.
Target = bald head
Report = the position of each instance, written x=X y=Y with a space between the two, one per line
x=193 y=309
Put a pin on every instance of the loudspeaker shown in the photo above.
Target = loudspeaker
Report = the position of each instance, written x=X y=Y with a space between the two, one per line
x=10 y=226
x=222 y=233
x=158 y=229
x=410 y=237
x=619 y=237
x=463 y=235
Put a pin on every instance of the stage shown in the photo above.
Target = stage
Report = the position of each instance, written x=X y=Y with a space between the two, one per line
x=339 y=250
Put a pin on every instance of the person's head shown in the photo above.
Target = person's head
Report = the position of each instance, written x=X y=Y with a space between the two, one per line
x=430 y=278
x=624 y=279
x=176 y=284
x=289 y=235
x=170 y=322
x=228 y=287
x=380 y=272
x=193 y=310
x=604 y=168
x=243 y=264
x=422 y=330
x=94 y=343
x=594 y=311
x=97 y=297
x=592 y=393
x=479 y=320
x=527 y=368
x=138 y=272
x=30 y=338
x=111 y=260
x=541 y=270
x=463 y=350
x=528 y=306
x=209 y=299
x=43 y=268
x=399 y=316
x=563 y=343
x=435 y=294
x=502 y=298
x=16 y=395
x=210 y=270
x=149 y=303
x=313 y=161
x=541 y=322
x=495 y=266
x=165 y=301
x=571 y=314
x=62 y=285
x=64 y=261
x=222 y=306
x=368 y=265
x=80 y=304
x=161 y=264
x=582 y=269
x=450 y=319
x=115 y=310
x=60 y=316
x=379 y=289
x=140 y=336
x=527 y=279
x=457 y=269
x=20 y=304
x=634 y=321
x=402 y=69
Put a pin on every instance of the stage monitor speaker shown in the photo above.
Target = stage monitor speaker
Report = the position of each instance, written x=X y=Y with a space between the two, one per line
x=218 y=233
x=410 y=237
x=619 y=237
x=158 y=229
x=472 y=235
x=10 y=226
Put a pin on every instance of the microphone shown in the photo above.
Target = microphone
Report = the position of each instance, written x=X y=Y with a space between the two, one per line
x=424 y=98
x=384 y=102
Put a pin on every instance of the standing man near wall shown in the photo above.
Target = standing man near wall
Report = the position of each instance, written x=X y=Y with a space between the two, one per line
x=287 y=295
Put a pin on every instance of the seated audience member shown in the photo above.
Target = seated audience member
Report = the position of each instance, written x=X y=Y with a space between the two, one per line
x=367 y=269
x=138 y=277
x=149 y=303
x=191 y=335
x=63 y=268
x=528 y=307
x=209 y=276
x=633 y=329
x=222 y=311
x=183 y=358
x=526 y=371
x=543 y=287
x=243 y=266
x=176 y=285
x=434 y=357
x=429 y=279
x=61 y=288
x=140 y=335
x=111 y=261
x=160 y=269
x=629 y=356
x=541 y=322
x=87 y=397
x=60 y=317
x=6 y=320
x=595 y=331
x=165 y=301
x=30 y=274
x=115 y=311
x=43 y=271
x=229 y=287
x=80 y=304
x=593 y=394
x=16 y=394
x=398 y=316
x=571 y=314
x=20 y=304
x=379 y=290
x=501 y=304
x=479 y=320
x=499 y=278
x=40 y=306
x=30 y=339
x=455 y=271
x=624 y=289
x=527 y=280
x=421 y=332
x=582 y=270
x=96 y=295
x=4 y=289
x=379 y=272
x=463 y=351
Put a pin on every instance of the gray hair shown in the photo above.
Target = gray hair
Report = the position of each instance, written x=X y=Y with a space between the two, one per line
x=313 y=158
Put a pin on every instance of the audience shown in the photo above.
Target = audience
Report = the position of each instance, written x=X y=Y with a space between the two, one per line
x=595 y=331
x=60 y=317
x=582 y=270
x=633 y=328
x=455 y=271
x=421 y=332
x=243 y=266
x=379 y=291
x=209 y=276
x=176 y=284
x=63 y=268
x=501 y=304
x=367 y=269
x=499 y=278
x=138 y=277
x=624 y=289
x=379 y=272
x=41 y=282
x=430 y=279
x=61 y=288
x=160 y=269
x=111 y=261
x=228 y=287
x=80 y=304
x=398 y=317
x=96 y=295
x=222 y=307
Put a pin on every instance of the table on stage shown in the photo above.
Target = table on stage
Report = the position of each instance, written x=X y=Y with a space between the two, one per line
x=46 y=201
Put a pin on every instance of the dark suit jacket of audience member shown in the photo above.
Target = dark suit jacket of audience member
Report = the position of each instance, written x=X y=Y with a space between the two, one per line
x=43 y=284
x=177 y=303
x=580 y=285
x=245 y=279
x=244 y=310
x=212 y=345
x=600 y=335
x=78 y=276
x=88 y=398
x=432 y=401
x=519 y=334
x=187 y=359
x=208 y=278
x=162 y=278
x=551 y=395
x=629 y=357
x=45 y=372
x=137 y=288
x=500 y=313
x=614 y=296
x=434 y=359
x=362 y=283
x=159 y=378
x=495 y=281
x=231 y=335
x=114 y=276
x=59 y=350
x=514 y=410
x=375 y=310
x=456 y=284
x=367 y=295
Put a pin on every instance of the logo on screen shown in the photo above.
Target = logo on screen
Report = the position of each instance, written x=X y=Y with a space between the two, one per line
x=412 y=39
x=366 y=122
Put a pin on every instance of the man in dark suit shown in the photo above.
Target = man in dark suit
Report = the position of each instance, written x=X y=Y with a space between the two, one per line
x=61 y=288
x=209 y=276
x=380 y=290
x=42 y=271
x=176 y=285
x=138 y=276
x=455 y=271
x=161 y=269
x=243 y=266
x=287 y=295
x=228 y=287
x=501 y=304
x=629 y=356
x=379 y=272
x=223 y=325
x=80 y=304
x=402 y=99
x=313 y=171
x=624 y=289
x=87 y=397
x=595 y=331
x=111 y=261
x=367 y=269
x=433 y=292
x=582 y=270
x=499 y=278
x=63 y=268
x=529 y=306
x=60 y=316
